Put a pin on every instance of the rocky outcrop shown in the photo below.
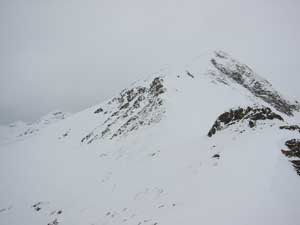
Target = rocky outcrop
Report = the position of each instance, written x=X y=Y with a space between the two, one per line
x=98 y=110
x=293 y=152
x=249 y=114
x=291 y=128
x=259 y=87
x=135 y=107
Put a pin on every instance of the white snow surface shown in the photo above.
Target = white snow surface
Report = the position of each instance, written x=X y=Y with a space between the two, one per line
x=20 y=130
x=160 y=173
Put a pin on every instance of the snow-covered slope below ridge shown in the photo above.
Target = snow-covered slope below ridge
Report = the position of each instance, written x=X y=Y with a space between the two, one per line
x=20 y=130
x=145 y=157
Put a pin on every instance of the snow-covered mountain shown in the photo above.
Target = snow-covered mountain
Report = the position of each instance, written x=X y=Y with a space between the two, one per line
x=20 y=129
x=212 y=143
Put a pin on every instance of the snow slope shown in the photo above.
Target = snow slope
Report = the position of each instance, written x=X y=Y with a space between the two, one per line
x=144 y=156
x=20 y=130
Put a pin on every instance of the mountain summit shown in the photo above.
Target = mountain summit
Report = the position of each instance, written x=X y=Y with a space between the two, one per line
x=213 y=143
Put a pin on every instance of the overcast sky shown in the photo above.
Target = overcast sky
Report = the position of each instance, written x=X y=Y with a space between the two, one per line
x=71 y=54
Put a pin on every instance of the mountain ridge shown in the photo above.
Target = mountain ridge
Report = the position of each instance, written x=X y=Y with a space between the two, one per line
x=144 y=157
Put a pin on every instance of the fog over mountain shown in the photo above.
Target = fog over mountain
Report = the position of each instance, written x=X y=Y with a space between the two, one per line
x=158 y=112
x=70 y=55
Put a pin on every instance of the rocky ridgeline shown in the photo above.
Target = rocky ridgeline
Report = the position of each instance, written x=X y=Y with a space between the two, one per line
x=136 y=107
x=293 y=153
x=249 y=114
x=259 y=87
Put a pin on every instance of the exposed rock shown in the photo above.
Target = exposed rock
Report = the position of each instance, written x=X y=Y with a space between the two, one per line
x=189 y=74
x=290 y=154
x=136 y=107
x=217 y=156
x=29 y=131
x=54 y=222
x=39 y=206
x=5 y=209
x=259 y=87
x=156 y=87
x=252 y=124
x=293 y=144
x=293 y=152
x=98 y=110
x=296 y=165
x=290 y=127
x=236 y=115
